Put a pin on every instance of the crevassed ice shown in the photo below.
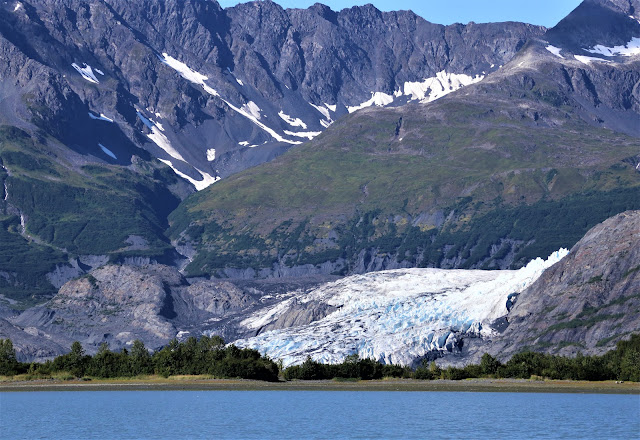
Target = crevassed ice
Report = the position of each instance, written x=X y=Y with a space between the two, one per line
x=394 y=316
x=629 y=49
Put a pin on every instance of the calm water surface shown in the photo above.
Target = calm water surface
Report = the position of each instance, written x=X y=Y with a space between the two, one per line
x=316 y=414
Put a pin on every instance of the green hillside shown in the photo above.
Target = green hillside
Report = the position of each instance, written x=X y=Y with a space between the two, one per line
x=473 y=180
x=72 y=209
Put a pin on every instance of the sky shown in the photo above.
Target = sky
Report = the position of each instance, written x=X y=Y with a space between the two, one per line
x=541 y=12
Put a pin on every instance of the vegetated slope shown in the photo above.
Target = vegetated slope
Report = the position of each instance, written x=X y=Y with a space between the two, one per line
x=61 y=214
x=491 y=176
x=587 y=302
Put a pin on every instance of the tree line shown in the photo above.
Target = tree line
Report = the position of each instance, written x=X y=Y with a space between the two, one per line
x=203 y=356
x=210 y=356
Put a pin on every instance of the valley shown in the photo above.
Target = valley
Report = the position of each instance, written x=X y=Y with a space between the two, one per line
x=310 y=182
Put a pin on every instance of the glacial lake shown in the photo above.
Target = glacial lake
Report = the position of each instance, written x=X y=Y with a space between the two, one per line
x=316 y=414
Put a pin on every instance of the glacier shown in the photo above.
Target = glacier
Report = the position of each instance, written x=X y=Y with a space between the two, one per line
x=394 y=316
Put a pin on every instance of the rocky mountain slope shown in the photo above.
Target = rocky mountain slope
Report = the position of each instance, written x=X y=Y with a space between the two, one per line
x=513 y=167
x=585 y=303
x=581 y=301
x=107 y=102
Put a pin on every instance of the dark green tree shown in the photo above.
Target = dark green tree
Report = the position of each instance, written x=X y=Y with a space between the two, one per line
x=139 y=359
x=8 y=362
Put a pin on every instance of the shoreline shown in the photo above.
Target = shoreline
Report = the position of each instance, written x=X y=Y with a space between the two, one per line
x=196 y=384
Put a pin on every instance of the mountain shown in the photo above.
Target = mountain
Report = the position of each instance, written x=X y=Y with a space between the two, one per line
x=584 y=300
x=491 y=176
x=585 y=303
x=155 y=183
x=112 y=112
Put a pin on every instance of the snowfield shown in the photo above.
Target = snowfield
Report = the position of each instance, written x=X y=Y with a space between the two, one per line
x=394 y=316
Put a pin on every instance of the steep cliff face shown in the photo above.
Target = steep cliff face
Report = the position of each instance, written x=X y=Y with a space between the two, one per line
x=587 y=302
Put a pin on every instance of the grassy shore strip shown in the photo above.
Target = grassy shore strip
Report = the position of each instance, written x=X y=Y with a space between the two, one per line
x=195 y=383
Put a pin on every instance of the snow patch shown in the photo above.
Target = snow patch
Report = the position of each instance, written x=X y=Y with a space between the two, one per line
x=294 y=122
x=252 y=109
x=305 y=134
x=159 y=138
x=102 y=117
x=211 y=154
x=589 y=60
x=438 y=86
x=239 y=82
x=394 y=316
x=554 y=50
x=107 y=151
x=100 y=72
x=331 y=107
x=206 y=181
x=86 y=71
x=379 y=99
x=17 y=7
x=243 y=143
x=629 y=49
x=323 y=110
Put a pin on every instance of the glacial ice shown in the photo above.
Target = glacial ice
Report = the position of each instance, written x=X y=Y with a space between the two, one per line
x=379 y=99
x=394 y=316
x=438 y=86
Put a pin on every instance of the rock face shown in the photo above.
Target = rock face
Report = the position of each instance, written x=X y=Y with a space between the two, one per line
x=587 y=302
x=154 y=303
x=199 y=86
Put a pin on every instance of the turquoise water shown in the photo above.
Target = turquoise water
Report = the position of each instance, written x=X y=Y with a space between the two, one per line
x=316 y=414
